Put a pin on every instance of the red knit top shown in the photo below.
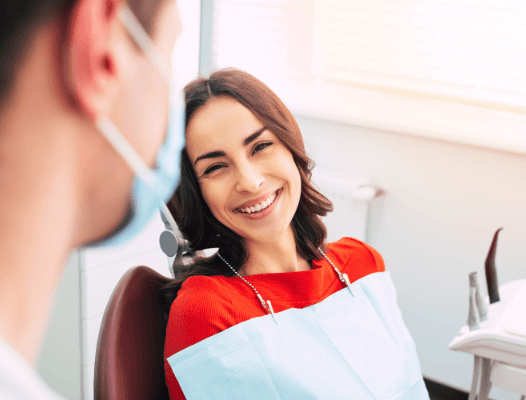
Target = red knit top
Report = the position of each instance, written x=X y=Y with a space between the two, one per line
x=206 y=305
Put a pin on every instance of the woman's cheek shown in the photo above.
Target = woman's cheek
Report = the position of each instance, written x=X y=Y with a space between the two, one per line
x=212 y=195
x=289 y=165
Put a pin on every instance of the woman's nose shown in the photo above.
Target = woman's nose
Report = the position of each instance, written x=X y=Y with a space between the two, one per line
x=249 y=179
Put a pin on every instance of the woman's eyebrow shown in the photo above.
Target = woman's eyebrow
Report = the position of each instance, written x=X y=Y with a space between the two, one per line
x=254 y=136
x=219 y=153
x=212 y=154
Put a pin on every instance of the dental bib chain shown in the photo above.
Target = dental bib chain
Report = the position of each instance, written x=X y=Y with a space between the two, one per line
x=343 y=277
x=268 y=306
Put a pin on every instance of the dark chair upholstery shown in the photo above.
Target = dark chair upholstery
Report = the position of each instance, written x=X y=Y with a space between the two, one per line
x=129 y=361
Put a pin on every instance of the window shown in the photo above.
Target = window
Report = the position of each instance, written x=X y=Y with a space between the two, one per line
x=449 y=69
x=185 y=57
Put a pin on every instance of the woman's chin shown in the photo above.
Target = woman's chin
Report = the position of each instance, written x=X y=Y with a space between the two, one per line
x=268 y=234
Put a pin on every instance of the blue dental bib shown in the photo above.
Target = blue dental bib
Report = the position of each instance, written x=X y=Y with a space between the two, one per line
x=343 y=347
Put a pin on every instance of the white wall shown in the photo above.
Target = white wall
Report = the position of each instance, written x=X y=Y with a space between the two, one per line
x=434 y=226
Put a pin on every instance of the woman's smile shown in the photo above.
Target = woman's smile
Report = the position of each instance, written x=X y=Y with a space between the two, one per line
x=260 y=208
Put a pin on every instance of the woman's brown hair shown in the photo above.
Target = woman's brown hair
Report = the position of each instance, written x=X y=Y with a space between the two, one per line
x=195 y=220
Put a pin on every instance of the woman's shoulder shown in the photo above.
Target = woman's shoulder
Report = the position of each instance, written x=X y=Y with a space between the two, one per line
x=200 y=296
x=357 y=258
x=200 y=310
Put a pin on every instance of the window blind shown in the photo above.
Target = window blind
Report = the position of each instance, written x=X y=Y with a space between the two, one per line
x=267 y=38
x=464 y=51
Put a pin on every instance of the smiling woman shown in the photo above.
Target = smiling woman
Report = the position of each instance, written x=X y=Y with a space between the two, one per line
x=259 y=318
x=252 y=167
x=237 y=128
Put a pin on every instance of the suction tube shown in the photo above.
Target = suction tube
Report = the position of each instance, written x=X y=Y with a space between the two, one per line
x=473 y=318
x=491 y=271
x=481 y=305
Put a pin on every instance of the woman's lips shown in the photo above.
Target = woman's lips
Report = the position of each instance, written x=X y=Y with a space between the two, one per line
x=263 y=213
x=266 y=202
x=258 y=200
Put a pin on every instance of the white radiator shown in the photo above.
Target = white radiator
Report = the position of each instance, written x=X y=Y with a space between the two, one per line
x=351 y=199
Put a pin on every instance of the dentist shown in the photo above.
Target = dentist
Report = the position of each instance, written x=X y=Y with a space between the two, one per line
x=87 y=144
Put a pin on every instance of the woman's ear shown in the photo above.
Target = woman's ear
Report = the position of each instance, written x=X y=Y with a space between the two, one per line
x=91 y=57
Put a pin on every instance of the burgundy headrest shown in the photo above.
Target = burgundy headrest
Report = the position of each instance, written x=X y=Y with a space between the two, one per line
x=129 y=361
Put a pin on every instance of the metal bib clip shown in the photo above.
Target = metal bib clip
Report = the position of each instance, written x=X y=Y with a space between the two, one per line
x=346 y=278
x=272 y=311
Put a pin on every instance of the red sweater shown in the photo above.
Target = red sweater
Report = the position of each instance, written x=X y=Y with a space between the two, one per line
x=208 y=305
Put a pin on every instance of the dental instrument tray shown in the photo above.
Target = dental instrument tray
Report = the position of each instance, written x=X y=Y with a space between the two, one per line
x=502 y=336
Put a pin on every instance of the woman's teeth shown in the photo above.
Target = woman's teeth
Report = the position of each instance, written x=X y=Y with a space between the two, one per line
x=260 y=206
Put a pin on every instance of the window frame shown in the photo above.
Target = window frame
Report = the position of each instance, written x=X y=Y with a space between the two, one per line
x=394 y=112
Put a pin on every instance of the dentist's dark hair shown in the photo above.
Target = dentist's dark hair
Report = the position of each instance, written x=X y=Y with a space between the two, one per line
x=193 y=216
x=20 y=20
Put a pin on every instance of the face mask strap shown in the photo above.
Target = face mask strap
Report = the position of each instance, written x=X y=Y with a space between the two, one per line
x=123 y=147
x=107 y=127
x=143 y=40
x=127 y=152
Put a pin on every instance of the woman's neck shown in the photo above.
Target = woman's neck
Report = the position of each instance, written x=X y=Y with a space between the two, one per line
x=275 y=256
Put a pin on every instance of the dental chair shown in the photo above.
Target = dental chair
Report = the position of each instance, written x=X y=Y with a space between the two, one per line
x=129 y=361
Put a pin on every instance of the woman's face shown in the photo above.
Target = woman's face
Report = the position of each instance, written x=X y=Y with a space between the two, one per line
x=247 y=176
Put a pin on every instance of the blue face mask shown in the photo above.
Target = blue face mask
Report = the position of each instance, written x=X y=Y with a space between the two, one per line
x=151 y=188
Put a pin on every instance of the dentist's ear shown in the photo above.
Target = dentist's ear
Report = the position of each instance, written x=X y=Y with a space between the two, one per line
x=91 y=55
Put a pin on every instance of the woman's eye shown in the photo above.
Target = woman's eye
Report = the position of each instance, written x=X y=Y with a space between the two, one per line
x=261 y=146
x=212 y=169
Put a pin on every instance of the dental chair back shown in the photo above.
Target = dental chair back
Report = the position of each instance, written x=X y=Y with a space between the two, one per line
x=129 y=361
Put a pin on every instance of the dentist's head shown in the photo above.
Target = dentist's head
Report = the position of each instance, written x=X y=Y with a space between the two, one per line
x=87 y=139
x=102 y=68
